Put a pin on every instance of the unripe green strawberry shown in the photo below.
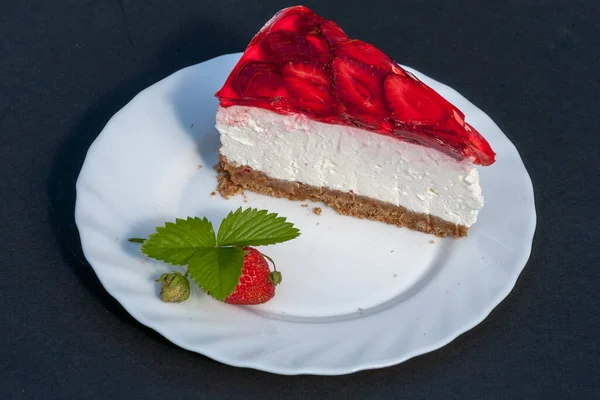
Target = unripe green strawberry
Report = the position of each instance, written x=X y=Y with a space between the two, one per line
x=175 y=287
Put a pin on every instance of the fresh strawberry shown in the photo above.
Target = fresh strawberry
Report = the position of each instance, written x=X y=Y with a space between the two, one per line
x=358 y=88
x=309 y=87
x=257 y=282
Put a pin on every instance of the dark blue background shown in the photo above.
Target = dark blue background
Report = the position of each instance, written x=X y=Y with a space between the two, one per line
x=66 y=66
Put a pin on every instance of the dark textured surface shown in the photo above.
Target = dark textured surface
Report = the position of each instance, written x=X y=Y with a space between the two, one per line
x=67 y=65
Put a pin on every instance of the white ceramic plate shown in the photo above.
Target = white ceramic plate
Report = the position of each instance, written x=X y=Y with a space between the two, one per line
x=356 y=294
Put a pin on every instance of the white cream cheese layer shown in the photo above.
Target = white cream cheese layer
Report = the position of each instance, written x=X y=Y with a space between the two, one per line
x=295 y=148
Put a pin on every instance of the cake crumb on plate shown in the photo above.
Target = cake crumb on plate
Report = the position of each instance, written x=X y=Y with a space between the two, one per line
x=317 y=210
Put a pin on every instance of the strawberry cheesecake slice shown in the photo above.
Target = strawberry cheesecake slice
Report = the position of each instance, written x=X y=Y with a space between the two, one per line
x=308 y=113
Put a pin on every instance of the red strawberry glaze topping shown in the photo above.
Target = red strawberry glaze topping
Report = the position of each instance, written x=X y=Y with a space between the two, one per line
x=302 y=63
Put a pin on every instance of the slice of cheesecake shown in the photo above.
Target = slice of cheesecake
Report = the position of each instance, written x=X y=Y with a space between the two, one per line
x=308 y=113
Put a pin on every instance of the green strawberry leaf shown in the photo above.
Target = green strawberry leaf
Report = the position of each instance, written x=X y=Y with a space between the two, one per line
x=175 y=243
x=252 y=227
x=217 y=270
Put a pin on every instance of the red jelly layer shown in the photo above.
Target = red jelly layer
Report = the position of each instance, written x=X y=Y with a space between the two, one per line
x=302 y=63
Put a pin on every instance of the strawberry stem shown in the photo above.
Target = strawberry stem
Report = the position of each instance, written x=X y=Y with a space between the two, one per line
x=275 y=276
x=270 y=259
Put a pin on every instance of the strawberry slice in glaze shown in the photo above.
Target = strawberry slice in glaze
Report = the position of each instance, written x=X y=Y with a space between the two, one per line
x=413 y=102
x=358 y=88
x=333 y=33
x=299 y=20
x=309 y=87
x=285 y=46
x=367 y=54
x=260 y=80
